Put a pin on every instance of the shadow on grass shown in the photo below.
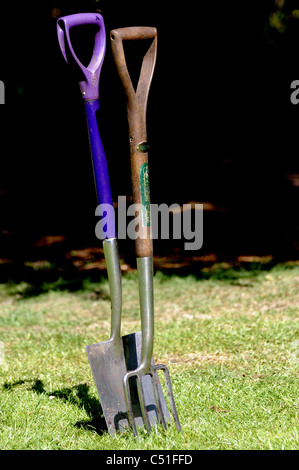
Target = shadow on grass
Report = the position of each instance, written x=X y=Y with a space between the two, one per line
x=232 y=272
x=78 y=395
x=25 y=281
x=38 y=283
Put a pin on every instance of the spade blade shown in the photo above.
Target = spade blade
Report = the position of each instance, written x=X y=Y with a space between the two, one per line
x=109 y=362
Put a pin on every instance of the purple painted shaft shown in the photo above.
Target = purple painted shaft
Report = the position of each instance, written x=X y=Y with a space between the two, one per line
x=100 y=167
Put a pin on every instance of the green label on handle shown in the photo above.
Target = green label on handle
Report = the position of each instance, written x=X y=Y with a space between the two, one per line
x=145 y=195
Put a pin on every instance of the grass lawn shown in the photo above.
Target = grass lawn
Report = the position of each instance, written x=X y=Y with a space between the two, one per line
x=230 y=338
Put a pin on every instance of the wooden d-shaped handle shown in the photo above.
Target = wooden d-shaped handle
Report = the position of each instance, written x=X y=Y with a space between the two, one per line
x=136 y=111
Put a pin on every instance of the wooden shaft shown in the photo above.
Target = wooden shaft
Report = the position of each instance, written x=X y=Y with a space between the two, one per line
x=136 y=112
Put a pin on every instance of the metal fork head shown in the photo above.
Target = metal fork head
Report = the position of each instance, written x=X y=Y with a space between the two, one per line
x=170 y=394
x=152 y=372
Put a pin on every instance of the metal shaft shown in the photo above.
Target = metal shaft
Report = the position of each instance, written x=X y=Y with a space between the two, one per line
x=146 y=298
x=114 y=277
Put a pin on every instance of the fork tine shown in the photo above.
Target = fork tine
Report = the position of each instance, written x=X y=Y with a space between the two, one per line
x=128 y=401
x=142 y=403
x=170 y=395
x=155 y=381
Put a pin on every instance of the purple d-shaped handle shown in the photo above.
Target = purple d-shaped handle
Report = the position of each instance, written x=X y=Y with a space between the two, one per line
x=90 y=95
x=90 y=87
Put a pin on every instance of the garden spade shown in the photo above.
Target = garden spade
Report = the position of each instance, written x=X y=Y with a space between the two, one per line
x=112 y=359
x=145 y=372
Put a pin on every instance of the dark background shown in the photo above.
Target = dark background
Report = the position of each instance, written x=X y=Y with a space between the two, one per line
x=221 y=127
